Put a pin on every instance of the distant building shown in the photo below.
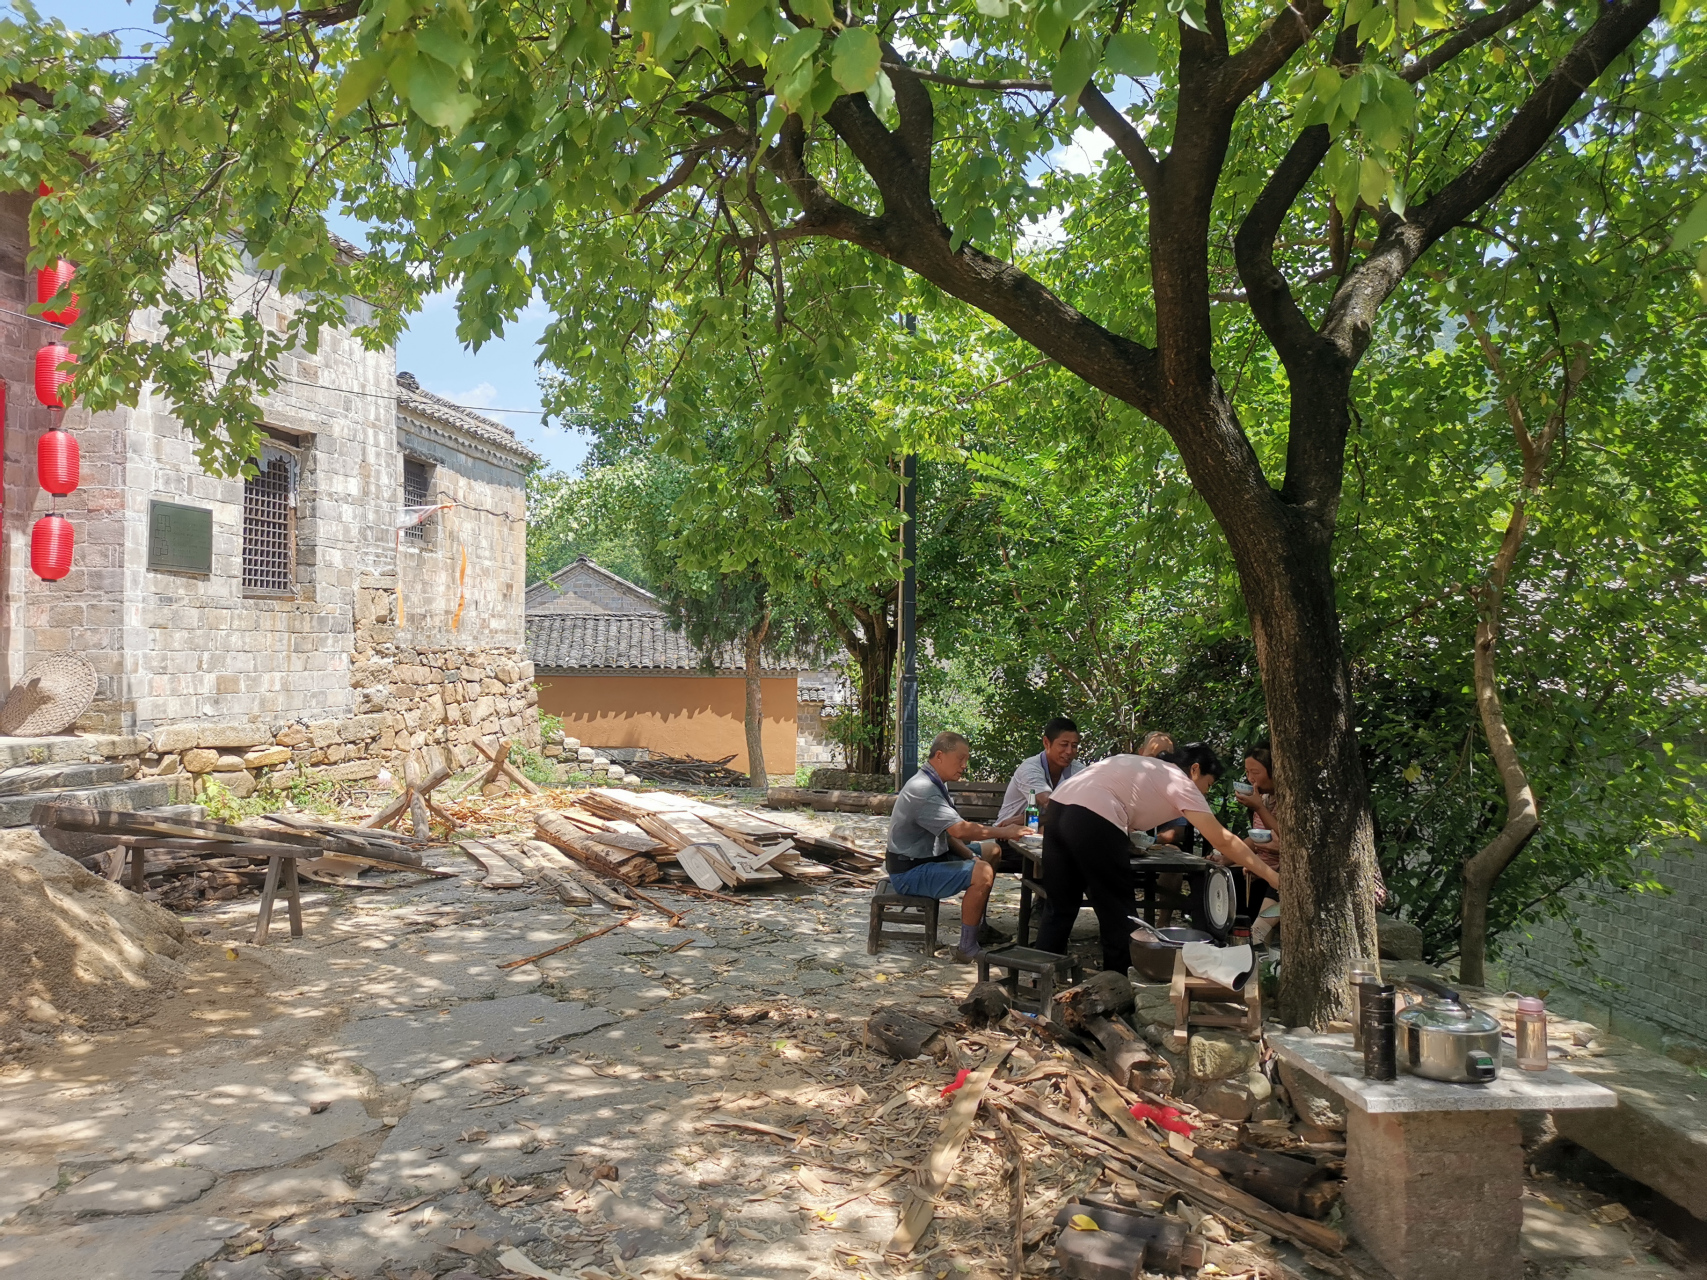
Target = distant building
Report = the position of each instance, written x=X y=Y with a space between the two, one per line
x=611 y=665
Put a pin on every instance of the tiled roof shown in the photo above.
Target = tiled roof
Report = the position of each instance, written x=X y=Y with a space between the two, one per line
x=564 y=643
x=557 y=593
x=434 y=408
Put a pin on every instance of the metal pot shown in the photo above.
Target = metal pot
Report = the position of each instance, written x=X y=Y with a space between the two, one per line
x=1153 y=950
x=1441 y=1039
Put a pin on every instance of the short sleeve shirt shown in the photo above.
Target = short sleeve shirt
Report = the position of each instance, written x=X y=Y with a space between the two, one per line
x=918 y=827
x=1031 y=776
x=1135 y=793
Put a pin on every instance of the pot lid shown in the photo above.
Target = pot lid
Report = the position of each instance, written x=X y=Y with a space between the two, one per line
x=1442 y=1015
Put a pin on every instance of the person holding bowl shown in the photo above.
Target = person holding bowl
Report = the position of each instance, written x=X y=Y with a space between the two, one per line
x=1087 y=849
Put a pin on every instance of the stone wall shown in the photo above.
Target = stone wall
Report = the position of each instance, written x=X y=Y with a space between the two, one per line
x=814 y=749
x=1647 y=980
x=430 y=702
x=472 y=559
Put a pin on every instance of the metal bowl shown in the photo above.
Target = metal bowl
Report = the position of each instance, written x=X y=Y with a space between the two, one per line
x=1153 y=956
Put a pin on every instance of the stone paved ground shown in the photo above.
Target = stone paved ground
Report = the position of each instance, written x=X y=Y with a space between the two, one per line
x=380 y=1098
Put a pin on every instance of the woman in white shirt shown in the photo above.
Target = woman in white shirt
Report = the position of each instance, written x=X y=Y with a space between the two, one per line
x=1087 y=850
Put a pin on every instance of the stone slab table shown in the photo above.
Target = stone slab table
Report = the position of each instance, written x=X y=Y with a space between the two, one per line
x=1433 y=1171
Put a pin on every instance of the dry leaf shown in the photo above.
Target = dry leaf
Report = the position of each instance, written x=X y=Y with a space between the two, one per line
x=1083 y=1222
x=1610 y=1213
x=811 y=1182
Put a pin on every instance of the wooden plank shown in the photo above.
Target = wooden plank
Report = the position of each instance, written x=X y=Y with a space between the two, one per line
x=683 y=829
x=594 y=884
x=562 y=886
x=945 y=1152
x=699 y=867
x=734 y=822
x=499 y=873
x=624 y=864
x=500 y=763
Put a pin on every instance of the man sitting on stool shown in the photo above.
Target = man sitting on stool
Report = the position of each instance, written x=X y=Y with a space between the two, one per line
x=1039 y=775
x=921 y=860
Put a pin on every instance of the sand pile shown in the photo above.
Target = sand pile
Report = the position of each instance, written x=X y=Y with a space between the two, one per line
x=75 y=950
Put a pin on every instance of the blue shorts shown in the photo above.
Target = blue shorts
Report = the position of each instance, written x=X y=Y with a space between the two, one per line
x=934 y=879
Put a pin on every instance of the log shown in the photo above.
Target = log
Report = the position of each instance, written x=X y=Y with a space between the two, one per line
x=1123 y=1054
x=1160 y=1244
x=987 y=1002
x=898 y=1034
x=829 y=801
x=501 y=764
x=1102 y=993
x=1289 y=1184
x=564 y=887
x=395 y=810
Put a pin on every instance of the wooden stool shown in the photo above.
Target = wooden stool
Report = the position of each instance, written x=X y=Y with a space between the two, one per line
x=277 y=865
x=1052 y=971
x=1187 y=988
x=901 y=909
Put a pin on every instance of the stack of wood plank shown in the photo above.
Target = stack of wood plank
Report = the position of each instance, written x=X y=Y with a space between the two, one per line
x=704 y=773
x=643 y=836
x=184 y=861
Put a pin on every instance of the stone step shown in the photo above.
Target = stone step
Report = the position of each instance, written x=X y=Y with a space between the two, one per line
x=69 y=747
x=141 y=794
x=25 y=778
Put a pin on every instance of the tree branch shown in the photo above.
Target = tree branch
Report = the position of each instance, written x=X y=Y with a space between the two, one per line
x=1403 y=240
x=1253 y=248
x=1124 y=135
x=1466 y=37
x=1250 y=68
x=963 y=82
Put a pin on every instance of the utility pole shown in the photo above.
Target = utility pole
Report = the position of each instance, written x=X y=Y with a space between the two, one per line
x=908 y=748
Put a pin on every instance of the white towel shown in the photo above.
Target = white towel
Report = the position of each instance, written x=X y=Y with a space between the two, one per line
x=1227 y=965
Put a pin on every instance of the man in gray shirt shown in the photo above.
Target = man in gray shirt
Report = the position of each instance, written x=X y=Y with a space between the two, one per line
x=920 y=859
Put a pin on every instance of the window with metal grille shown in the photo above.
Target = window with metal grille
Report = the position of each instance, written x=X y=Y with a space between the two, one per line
x=268 y=525
x=417 y=483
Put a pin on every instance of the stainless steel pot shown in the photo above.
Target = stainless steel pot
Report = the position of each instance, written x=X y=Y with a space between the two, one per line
x=1441 y=1039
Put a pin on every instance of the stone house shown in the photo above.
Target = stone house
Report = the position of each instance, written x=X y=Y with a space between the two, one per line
x=289 y=625
x=585 y=587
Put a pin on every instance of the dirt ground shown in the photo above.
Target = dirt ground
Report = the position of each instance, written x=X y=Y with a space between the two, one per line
x=381 y=1098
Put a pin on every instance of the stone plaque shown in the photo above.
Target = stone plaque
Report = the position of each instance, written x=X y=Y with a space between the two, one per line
x=180 y=539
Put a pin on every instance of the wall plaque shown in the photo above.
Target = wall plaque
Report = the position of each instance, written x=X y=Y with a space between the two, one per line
x=180 y=539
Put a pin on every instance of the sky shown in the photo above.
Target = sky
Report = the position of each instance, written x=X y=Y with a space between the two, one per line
x=502 y=374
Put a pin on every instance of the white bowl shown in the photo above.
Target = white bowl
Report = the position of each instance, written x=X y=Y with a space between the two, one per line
x=1244 y=788
x=1143 y=839
x=1260 y=835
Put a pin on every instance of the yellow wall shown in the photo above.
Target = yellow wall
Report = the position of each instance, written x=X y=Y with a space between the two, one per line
x=685 y=715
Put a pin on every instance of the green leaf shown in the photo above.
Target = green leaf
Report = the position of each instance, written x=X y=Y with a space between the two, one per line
x=358 y=85
x=1371 y=181
x=433 y=94
x=993 y=8
x=881 y=96
x=438 y=41
x=817 y=12
x=854 y=59
x=1131 y=53
x=1693 y=227
x=1073 y=68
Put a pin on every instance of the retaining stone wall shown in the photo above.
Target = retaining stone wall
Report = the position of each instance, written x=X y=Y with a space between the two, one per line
x=1651 y=949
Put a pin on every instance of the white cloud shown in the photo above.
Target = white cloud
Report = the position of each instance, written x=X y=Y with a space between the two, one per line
x=1084 y=154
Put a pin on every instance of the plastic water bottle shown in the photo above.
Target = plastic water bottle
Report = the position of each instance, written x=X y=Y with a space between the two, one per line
x=1531 y=1034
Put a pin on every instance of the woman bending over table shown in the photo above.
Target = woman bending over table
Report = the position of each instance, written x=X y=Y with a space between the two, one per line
x=1087 y=849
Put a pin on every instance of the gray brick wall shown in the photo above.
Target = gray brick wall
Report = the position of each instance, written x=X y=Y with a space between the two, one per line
x=1648 y=976
x=578 y=589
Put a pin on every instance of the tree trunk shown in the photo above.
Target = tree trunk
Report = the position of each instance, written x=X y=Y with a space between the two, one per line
x=755 y=640
x=1522 y=813
x=873 y=648
x=1327 y=880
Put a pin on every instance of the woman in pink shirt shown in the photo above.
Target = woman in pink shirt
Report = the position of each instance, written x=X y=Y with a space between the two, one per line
x=1087 y=850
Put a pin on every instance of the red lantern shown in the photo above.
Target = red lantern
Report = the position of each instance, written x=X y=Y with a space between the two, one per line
x=50 y=548
x=49 y=376
x=50 y=281
x=57 y=461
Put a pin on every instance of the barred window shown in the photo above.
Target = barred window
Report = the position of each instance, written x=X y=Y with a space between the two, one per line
x=269 y=524
x=417 y=483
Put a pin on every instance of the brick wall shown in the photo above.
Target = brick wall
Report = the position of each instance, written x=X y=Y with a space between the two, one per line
x=1651 y=949
x=578 y=589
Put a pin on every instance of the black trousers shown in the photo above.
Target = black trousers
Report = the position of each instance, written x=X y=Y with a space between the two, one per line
x=1087 y=856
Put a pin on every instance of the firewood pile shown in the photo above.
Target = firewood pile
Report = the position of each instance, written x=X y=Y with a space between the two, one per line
x=182 y=862
x=644 y=837
x=687 y=769
x=1015 y=1137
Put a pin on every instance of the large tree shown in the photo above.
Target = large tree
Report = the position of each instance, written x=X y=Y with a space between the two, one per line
x=673 y=174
